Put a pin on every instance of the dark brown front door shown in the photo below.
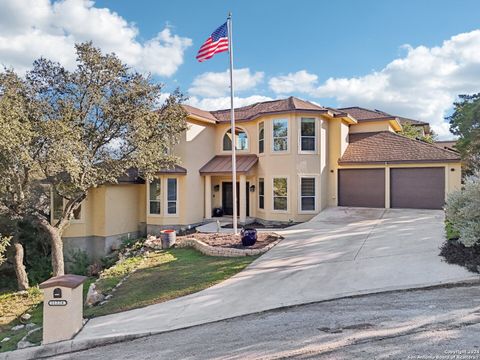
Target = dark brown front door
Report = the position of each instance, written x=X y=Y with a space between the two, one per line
x=361 y=187
x=227 y=198
x=417 y=188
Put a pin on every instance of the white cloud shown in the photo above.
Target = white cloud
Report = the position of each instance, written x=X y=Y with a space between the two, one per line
x=33 y=28
x=218 y=103
x=422 y=84
x=217 y=84
x=300 y=81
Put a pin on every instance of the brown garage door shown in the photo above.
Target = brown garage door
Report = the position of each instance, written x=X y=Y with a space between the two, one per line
x=417 y=188
x=361 y=187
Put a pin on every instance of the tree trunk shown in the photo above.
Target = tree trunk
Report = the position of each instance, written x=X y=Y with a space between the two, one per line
x=22 y=278
x=58 y=265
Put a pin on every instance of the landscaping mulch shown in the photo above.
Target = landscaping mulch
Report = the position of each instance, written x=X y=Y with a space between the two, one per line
x=257 y=225
x=234 y=241
x=455 y=252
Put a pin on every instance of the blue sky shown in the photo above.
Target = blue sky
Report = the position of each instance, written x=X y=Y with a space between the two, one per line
x=329 y=38
x=407 y=57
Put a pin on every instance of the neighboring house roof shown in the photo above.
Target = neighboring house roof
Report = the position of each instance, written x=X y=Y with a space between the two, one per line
x=222 y=164
x=446 y=144
x=388 y=147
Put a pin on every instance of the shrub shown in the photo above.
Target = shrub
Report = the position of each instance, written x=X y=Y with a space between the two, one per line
x=77 y=262
x=463 y=211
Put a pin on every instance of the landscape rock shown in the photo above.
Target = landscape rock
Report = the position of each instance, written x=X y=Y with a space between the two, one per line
x=30 y=326
x=18 y=327
x=108 y=297
x=103 y=303
x=94 y=296
x=24 y=344
x=153 y=243
x=25 y=317
x=5 y=339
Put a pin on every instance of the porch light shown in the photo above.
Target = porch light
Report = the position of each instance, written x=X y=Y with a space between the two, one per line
x=216 y=188
x=252 y=188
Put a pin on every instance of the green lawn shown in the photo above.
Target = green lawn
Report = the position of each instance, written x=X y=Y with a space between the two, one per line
x=161 y=276
x=166 y=275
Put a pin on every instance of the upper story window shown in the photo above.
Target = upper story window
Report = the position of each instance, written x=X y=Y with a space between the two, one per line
x=307 y=135
x=261 y=137
x=155 y=196
x=241 y=140
x=280 y=135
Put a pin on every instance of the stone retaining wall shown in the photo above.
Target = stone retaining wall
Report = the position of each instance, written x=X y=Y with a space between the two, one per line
x=221 y=251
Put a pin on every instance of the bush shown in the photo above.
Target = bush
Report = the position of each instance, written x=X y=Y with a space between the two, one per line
x=463 y=212
x=78 y=262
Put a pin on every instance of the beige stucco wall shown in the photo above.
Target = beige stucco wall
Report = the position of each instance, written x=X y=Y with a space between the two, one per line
x=371 y=126
x=290 y=164
x=338 y=131
x=195 y=150
x=108 y=210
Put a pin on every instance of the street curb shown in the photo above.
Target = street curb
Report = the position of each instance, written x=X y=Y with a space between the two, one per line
x=72 y=346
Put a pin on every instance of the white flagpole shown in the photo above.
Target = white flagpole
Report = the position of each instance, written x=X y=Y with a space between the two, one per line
x=232 y=120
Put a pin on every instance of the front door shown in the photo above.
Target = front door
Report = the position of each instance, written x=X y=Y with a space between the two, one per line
x=227 y=198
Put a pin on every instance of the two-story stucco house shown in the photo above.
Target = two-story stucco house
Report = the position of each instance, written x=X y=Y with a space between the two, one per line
x=294 y=158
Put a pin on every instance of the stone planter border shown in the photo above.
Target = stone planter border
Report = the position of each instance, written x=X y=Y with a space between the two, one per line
x=221 y=251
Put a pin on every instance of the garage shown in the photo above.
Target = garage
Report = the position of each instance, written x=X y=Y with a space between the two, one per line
x=417 y=188
x=361 y=187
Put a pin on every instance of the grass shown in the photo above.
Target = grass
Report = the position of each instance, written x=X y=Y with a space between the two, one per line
x=12 y=306
x=166 y=275
x=160 y=276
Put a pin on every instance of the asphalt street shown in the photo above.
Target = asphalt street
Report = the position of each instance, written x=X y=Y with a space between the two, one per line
x=438 y=323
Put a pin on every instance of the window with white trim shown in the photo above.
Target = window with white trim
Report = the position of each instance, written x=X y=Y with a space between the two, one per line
x=280 y=193
x=261 y=137
x=280 y=135
x=307 y=194
x=307 y=134
x=172 y=195
x=155 y=193
x=261 y=193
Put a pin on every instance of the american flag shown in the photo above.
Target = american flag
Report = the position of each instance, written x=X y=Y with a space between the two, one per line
x=216 y=43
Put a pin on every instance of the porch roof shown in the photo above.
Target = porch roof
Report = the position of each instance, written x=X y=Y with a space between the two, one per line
x=222 y=164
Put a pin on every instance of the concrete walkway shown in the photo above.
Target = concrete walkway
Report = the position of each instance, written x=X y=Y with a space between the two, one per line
x=341 y=252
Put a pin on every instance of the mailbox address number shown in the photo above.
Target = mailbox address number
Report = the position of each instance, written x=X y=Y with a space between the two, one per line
x=57 y=302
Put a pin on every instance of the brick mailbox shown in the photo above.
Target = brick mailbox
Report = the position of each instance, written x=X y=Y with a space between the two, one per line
x=62 y=307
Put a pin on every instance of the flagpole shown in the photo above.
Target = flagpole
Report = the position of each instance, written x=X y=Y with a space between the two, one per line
x=232 y=120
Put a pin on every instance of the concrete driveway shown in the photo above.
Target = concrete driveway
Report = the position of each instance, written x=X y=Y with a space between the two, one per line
x=341 y=252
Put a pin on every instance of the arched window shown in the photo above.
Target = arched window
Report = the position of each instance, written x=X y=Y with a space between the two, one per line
x=241 y=140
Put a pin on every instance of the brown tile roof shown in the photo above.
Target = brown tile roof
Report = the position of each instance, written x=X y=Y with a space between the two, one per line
x=386 y=146
x=177 y=169
x=253 y=111
x=363 y=114
x=222 y=164
x=199 y=112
